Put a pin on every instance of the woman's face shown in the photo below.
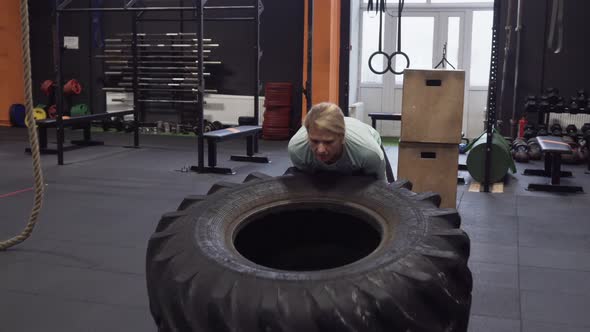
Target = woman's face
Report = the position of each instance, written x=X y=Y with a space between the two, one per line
x=326 y=146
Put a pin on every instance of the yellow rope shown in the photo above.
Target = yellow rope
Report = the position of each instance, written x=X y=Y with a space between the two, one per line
x=33 y=140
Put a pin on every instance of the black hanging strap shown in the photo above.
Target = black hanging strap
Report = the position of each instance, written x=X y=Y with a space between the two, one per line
x=380 y=47
x=556 y=24
x=389 y=57
x=400 y=9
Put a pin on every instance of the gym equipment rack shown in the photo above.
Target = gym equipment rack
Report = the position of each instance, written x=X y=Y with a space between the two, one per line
x=198 y=9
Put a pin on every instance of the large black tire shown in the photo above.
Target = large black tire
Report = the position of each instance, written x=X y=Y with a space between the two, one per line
x=302 y=253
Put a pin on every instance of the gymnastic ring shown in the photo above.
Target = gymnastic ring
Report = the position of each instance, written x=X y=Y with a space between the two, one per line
x=388 y=67
x=391 y=61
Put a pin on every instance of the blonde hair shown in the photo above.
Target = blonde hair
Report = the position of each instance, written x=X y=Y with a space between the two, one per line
x=326 y=116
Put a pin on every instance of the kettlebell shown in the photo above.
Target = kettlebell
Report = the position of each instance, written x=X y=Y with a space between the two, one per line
x=556 y=130
x=571 y=130
x=529 y=131
x=573 y=106
x=542 y=130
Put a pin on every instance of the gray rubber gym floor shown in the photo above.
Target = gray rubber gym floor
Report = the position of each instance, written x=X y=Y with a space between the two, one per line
x=83 y=268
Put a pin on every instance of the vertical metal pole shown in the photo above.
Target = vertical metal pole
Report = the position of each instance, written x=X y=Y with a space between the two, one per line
x=258 y=6
x=492 y=88
x=90 y=62
x=544 y=56
x=344 y=70
x=57 y=54
x=182 y=107
x=308 y=84
x=518 y=30
x=136 y=103
x=200 y=93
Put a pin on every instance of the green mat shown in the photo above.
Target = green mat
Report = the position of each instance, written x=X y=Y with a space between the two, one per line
x=390 y=141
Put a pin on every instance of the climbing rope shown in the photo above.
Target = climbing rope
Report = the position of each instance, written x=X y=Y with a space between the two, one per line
x=33 y=140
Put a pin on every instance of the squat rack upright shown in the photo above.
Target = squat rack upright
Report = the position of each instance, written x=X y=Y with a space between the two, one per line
x=198 y=8
x=492 y=96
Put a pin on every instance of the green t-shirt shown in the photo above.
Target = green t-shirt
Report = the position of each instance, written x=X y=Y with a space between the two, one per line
x=362 y=151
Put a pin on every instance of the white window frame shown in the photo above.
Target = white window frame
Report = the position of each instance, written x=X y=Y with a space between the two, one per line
x=439 y=10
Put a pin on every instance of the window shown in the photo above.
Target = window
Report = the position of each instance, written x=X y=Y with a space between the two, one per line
x=464 y=25
x=417 y=43
x=370 y=44
x=390 y=2
x=461 y=1
x=454 y=33
x=436 y=1
x=481 y=47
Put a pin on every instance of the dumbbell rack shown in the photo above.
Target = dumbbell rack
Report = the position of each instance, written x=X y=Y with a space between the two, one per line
x=551 y=105
x=158 y=68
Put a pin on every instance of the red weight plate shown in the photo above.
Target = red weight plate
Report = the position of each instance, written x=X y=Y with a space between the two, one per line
x=47 y=87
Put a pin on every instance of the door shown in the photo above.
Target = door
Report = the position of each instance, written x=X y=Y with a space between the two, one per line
x=423 y=37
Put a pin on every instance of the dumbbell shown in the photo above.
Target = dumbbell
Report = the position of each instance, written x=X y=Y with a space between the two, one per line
x=183 y=129
x=574 y=157
x=530 y=131
x=129 y=126
x=520 y=150
x=116 y=124
x=207 y=127
x=217 y=125
x=534 y=149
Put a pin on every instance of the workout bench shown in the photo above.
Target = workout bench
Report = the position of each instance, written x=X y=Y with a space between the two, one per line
x=384 y=116
x=553 y=147
x=213 y=137
x=79 y=122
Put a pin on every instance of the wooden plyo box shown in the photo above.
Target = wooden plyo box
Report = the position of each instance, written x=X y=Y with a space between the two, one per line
x=432 y=106
x=430 y=167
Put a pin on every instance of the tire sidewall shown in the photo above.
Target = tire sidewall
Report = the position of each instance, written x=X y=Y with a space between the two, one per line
x=215 y=223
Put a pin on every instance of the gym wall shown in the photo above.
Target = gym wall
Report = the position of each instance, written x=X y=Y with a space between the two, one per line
x=11 y=67
x=281 y=35
x=539 y=67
